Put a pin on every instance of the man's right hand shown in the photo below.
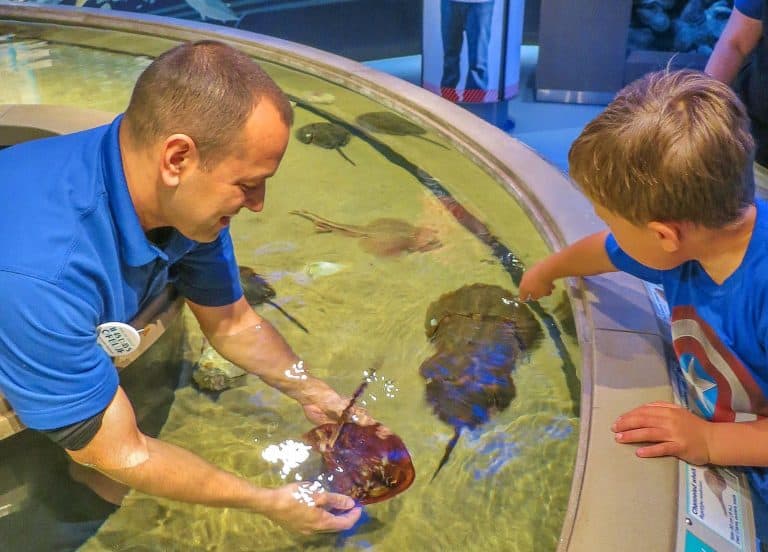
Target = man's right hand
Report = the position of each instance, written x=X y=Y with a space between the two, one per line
x=301 y=508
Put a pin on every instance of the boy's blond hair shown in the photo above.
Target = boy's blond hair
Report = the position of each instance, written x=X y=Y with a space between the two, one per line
x=672 y=146
x=206 y=90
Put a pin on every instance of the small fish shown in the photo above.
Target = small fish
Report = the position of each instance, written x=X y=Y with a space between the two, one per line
x=213 y=9
x=325 y=135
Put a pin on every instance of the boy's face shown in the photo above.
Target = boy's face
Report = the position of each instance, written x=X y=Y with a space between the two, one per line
x=645 y=244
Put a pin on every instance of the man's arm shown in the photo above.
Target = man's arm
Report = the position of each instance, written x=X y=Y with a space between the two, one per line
x=586 y=257
x=738 y=39
x=123 y=453
x=252 y=343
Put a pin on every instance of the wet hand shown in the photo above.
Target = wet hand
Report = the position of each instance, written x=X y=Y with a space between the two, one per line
x=323 y=405
x=306 y=508
x=534 y=284
x=671 y=429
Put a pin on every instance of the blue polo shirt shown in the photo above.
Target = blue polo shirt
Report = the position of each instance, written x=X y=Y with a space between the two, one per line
x=73 y=255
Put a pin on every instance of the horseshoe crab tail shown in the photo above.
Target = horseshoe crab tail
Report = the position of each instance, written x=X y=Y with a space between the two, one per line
x=344 y=155
x=448 y=450
x=288 y=316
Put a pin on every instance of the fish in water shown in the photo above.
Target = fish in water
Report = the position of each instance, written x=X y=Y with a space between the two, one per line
x=368 y=463
x=386 y=122
x=383 y=237
x=480 y=331
x=257 y=291
x=325 y=135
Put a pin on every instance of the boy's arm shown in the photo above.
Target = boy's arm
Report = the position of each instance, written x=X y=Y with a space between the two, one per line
x=586 y=257
x=672 y=430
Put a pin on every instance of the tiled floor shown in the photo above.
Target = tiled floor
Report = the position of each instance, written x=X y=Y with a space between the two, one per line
x=549 y=128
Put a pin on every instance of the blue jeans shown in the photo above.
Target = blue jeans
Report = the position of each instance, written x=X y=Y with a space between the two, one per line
x=474 y=19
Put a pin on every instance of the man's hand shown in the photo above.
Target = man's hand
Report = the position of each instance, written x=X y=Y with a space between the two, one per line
x=306 y=508
x=323 y=405
x=673 y=430
x=535 y=284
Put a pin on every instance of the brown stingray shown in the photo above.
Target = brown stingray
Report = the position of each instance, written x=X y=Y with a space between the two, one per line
x=368 y=463
x=479 y=332
x=383 y=237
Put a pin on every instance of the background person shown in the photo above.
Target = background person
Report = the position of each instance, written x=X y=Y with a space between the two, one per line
x=95 y=224
x=745 y=37
x=473 y=19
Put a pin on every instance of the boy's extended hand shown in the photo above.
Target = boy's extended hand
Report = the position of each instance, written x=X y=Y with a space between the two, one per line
x=673 y=430
x=535 y=284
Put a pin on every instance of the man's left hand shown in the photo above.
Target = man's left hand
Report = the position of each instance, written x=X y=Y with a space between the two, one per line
x=323 y=405
x=673 y=430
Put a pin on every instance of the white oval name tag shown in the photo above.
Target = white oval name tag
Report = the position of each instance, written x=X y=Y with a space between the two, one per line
x=118 y=339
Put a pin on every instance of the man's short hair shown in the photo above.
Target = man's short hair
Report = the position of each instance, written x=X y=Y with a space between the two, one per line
x=672 y=146
x=203 y=89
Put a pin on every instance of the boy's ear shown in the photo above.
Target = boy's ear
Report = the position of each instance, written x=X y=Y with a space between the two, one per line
x=668 y=234
x=179 y=153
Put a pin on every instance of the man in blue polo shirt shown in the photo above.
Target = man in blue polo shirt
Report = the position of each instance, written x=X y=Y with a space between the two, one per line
x=745 y=35
x=93 y=225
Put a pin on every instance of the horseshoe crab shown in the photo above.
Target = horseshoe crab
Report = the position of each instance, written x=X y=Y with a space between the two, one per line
x=386 y=122
x=479 y=332
x=257 y=291
x=384 y=237
x=325 y=135
x=368 y=463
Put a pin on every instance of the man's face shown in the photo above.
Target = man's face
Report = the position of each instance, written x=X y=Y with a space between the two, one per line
x=206 y=200
x=642 y=243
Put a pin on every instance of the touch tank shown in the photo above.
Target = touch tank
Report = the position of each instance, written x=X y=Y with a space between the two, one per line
x=476 y=206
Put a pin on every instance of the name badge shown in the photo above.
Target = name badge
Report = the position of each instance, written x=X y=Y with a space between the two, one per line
x=118 y=339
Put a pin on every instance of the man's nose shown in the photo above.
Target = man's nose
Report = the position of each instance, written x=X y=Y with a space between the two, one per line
x=254 y=199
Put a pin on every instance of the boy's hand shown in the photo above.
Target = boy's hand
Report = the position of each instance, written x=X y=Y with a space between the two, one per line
x=535 y=284
x=674 y=431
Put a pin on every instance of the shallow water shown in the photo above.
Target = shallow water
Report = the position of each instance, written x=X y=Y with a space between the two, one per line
x=506 y=484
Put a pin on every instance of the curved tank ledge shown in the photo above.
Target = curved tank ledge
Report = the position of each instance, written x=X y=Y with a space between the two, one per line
x=617 y=500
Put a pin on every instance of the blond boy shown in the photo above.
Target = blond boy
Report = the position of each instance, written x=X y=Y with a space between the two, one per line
x=668 y=167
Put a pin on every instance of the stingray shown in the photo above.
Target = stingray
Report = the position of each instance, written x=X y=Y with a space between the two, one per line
x=386 y=122
x=257 y=291
x=368 y=463
x=479 y=332
x=325 y=135
x=384 y=237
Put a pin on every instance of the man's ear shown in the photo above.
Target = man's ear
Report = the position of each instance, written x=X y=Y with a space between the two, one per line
x=668 y=234
x=179 y=154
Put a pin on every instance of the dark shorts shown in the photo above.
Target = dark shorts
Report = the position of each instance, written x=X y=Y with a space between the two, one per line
x=76 y=436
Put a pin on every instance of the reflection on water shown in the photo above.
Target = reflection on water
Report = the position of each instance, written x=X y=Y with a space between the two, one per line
x=508 y=480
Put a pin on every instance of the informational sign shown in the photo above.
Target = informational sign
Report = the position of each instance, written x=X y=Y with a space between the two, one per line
x=471 y=49
x=715 y=498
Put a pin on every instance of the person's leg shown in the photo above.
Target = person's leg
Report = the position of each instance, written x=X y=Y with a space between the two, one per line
x=478 y=39
x=452 y=26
